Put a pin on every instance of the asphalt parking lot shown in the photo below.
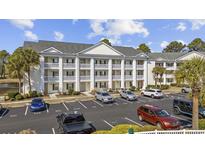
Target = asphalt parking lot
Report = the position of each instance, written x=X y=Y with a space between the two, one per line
x=103 y=116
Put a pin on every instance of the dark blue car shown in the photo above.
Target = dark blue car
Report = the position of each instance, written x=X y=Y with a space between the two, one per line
x=38 y=104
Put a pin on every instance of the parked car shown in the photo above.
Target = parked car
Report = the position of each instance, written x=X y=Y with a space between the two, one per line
x=38 y=104
x=105 y=97
x=74 y=123
x=154 y=93
x=157 y=116
x=128 y=95
x=186 y=89
x=184 y=106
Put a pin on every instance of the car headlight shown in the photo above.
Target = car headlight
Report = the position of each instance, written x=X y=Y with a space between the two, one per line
x=166 y=123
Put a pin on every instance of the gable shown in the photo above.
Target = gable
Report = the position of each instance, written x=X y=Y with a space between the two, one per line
x=102 y=49
x=190 y=56
x=51 y=50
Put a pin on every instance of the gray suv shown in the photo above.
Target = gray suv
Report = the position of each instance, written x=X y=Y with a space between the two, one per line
x=105 y=97
x=128 y=95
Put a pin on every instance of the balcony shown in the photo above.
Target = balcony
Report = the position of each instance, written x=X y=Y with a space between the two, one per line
x=51 y=78
x=170 y=68
x=101 y=78
x=170 y=76
x=85 y=78
x=128 y=66
x=85 y=66
x=140 y=67
x=128 y=77
x=140 y=77
x=69 y=65
x=69 y=78
x=51 y=65
x=116 y=66
x=116 y=77
x=101 y=66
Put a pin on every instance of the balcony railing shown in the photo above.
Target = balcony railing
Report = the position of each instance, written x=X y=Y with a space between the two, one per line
x=51 y=65
x=101 y=66
x=128 y=77
x=140 y=77
x=140 y=66
x=116 y=77
x=101 y=77
x=128 y=66
x=116 y=66
x=69 y=65
x=69 y=78
x=170 y=67
x=84 y=65
x=51 y=78
x=169 y=75
x=84 y=78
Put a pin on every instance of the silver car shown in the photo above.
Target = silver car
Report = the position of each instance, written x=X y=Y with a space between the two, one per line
x=128 y=95
x=186 y=89
x=105 y=97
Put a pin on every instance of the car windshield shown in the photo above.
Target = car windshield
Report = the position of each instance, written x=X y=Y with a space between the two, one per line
x=74 y=119
x=162 y=113
x=129 y=93
x=105 y=94
x=35 y=101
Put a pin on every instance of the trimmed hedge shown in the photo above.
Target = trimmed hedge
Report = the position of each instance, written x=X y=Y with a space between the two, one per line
x=132 y=88
x=12 y=95
x=19 y=97
x=163 y=87
x=202 y=124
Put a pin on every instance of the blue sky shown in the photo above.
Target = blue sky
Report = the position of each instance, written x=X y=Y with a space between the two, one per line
x=155 y=33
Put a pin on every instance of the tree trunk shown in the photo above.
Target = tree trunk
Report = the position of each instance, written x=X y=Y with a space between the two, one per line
x=19 y=85
x=29 y=80
x=195 y=109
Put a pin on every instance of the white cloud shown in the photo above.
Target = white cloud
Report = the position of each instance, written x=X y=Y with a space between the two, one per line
x=30 y=35
x=181 y=26
x=197 y=23
x=114 y=29
x=74 y=21
x=22 y=23
x=183 y=42
x=149 y=43
x=58 y=36
x=164 y=44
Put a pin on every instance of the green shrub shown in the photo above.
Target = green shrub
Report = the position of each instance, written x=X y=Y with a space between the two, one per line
x=76 y=93
x=33 y=94
x=132 y=88
x=110 y=90
x=70 y=91
x=39 y=94
x=19 y=97
x=163 y=87
x=202 y=124
x=173 y=84
x=26 y=96
x=93 y=92
x=12 y=95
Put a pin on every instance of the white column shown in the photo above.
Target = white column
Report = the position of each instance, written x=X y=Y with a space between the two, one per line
x=110 y=74
x=134 y=73
x=145 y=74
x=175 y=68
x=77 y=74
x=122 y=73
x=60 y=74
x=92 y=74
x=164 y=65
x=42 y=59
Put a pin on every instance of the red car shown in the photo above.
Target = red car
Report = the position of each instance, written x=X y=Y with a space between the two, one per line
x=158 y=117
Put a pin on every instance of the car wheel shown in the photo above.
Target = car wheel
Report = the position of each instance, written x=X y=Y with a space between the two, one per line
x=152 y=96
x=142 y=94
x=183 y=91
x=140 y=117
x=159 y=125
x=176 y=110
x=200 y=116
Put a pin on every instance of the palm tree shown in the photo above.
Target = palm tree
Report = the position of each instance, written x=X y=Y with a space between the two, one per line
x=155 y=74
x=162 y=71
x=3 y=55
x=158 y=74
x=15 y=67
x=192 y=72
x=31 y=60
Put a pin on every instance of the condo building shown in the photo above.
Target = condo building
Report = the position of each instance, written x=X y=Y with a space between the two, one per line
x=84 y=67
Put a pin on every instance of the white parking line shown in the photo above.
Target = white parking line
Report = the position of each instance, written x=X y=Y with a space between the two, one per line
x=13 y=115
x=53 y=130
x=65 y=106
x=26 y=110
x=108 y=123
x=3 y=113
x=47 y=108
x=82 y=104
x=98 y=103
x=133 y=122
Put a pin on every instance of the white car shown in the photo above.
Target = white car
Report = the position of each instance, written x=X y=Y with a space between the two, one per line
x=105 y=97
x=186 y=89
x=128 y=95
x=154 y=93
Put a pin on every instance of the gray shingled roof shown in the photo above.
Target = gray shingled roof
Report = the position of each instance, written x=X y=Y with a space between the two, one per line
x=73 y=48
x=167 y=56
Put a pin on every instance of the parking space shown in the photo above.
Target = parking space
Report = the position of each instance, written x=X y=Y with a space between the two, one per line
x=73 y=106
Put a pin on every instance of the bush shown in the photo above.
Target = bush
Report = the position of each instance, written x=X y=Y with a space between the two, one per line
x=93 y=92
x=173 y=84
x=39 y=94
x=70 y=91
x=27 y=131
x=132 y=88
x=110 y=90
x=33 y=94
x=12 y=95
x=76 y=93
x=202 y=124
x=26 y=96
x=163 y=87
x=19 y=97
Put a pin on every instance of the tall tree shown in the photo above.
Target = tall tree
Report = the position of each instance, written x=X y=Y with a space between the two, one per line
x=3 y=56
x=143 y=48
x=193 y=73
x=158 y=74
x=106 y=41
x=174 y=46
x=15 y=66
x=155 y=74
x=31 y=60
x=197 y=45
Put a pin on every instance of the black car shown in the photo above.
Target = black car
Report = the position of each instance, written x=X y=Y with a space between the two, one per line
x=74 y=123
x=184 y=106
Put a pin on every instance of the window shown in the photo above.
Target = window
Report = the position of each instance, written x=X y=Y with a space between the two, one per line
x=69 y=86
x=69 y=60
x=169 y=79
x=70 y=73
x=55 y=73
x=55 y=86
x=169 y=64
x=140 y=62
x=55 y=60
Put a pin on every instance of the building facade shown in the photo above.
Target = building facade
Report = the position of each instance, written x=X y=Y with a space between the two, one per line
x=84 y=67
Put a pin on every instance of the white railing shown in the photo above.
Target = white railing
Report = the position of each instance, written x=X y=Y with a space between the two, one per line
x=140 y=66
x=101 y=77
x=128 y=66
x=169 y=75
x=116 y=66
x=173 y=132
x=101 y=66
x=69 y=65
x=140 y=77
x=51 y=78
x=128 y=77
x=170 y=68
x=84 y=77
x=69 y=78
x=116 y=77
x=84 y=65
x=51 y=64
